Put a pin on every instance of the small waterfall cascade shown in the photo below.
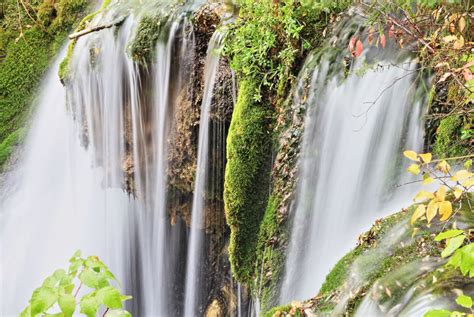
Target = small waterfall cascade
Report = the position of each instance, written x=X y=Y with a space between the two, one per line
x=355 y=132
x=194 y=272
x=98 y=167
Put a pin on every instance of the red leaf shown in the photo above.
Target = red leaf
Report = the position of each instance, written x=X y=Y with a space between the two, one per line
x=391 y=32
x=467 y=74
x=352 y=43
x=359 y=48
x=382 y=40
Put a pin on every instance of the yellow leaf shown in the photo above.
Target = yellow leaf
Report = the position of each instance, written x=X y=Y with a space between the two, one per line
x=426 y=158
x=449 y=38
x=459 y=43
x=423 y=195
x=414 y=169
x=441 y=194
x=427 y=179
x=443 y=166
x=445 y=210
x=457 y=193
x=468 y=183
x=411 y=155
x=461 y=24
x=419 y=212
x=432 y=210
x=461 y=175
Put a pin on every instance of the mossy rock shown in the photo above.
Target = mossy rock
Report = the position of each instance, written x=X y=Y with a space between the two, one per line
x=247 y=177
x=448 y=141
x=25 y=56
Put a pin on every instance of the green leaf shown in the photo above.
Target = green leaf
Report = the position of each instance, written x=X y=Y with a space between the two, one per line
x=59 y=274
x=453 y=245
x=448 y=234
x=464 y=301
x=438 y=313
x=89 y=305
x=89 y=278
x=26 y=312
x=118 y=313
x=110 y=297
x=125 y=297
x=67 y=303
x=42 y=299
x=466 y=262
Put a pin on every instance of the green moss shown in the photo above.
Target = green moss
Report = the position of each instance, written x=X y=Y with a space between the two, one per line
x=448 y=141
x=26 y=58
x=281 y=309
x=143 y=45
x=64 y=66
x=246 y=178
x=8 y=145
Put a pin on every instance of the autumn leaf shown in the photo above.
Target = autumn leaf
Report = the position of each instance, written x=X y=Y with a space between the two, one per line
x=426 y=158
x=423 y=195
x=457 y=193
x=468 y=183
x=359 y=48
x=443 y=166
x=414 y=169
x=382 y=40
x=431 y=210
x=412 y=155
x=419 y=212
x=459 y=43
x=427 y=179
x=445 y=210
x=461 y=24
x=441 y=194
x=461 y=175
x=449 y=38
x=352 y=44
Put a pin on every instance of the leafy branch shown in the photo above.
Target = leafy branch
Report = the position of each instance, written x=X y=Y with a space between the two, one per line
x=56 y=296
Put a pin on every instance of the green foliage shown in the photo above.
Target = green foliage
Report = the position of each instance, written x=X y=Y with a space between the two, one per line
x=246 y=178
x=265 y=46
x=59 y=289
x=144 y=43
x=462 y=300
x=448 y=141
x=64 y=66
x=268 y=38
x=26 y=47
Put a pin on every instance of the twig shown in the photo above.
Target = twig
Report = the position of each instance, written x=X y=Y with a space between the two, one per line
x=94 y=29
x=33 y=19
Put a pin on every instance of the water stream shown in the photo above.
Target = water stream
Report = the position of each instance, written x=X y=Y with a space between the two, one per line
x=356 y=130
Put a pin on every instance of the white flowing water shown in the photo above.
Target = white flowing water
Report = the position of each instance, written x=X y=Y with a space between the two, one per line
x=111 y=134
x=355 y=133
x=54 y=204
x=194 y=260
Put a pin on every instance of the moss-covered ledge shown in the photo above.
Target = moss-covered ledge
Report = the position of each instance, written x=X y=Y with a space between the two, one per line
x=30 y=36
x=247 y=178
x=338 y=286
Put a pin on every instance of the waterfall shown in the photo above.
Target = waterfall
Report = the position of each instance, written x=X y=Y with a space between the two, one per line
x=55 y=204
x=193 y=275
x=355 y=132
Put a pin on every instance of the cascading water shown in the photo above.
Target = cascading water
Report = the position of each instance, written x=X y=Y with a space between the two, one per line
x=56 y=204
x=355 y=132
x=194 y=273
x=113 y=133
